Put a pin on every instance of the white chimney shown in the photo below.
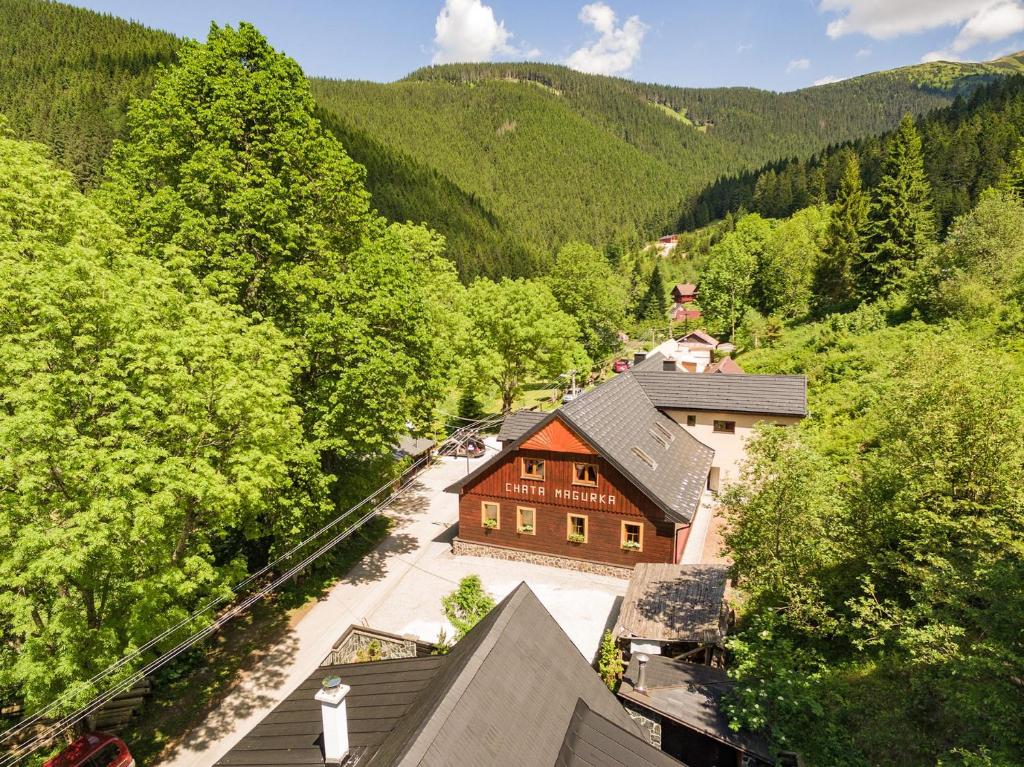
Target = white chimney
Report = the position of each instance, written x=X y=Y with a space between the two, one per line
x=333 y=710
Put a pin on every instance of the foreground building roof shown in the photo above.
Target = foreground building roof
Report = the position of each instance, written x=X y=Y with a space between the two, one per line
x=514 y=690
x=691 y=695
x=675 y=603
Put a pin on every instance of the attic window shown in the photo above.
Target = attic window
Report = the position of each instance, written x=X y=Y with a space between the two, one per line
x=660 y=438
x=644 y=457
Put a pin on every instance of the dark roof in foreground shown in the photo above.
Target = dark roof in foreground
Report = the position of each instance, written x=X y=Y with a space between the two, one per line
x=691 y=694
x=675 y=603
x=505 y=694
x=518 y=423
x=739 y=393
x=593 y=741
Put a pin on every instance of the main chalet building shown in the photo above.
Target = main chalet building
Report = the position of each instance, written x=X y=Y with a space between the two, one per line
x=618 y=476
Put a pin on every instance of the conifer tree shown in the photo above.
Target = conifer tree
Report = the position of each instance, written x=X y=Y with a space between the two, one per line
x=654 y=304
x=833 y=280
x=1012 y=179
x=901 y=226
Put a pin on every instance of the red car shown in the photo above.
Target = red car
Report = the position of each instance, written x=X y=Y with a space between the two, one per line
x=620 y=366
x=95 y=749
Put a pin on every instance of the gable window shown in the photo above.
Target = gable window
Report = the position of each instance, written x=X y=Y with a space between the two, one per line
x=691 y=420
x=526 y=520
x=632 y=538
x=576 y=528
x=725 y=427
x=490 y=515
x=533 y=468
x=584 y=474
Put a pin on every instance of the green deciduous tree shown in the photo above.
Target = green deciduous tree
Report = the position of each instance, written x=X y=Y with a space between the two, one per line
x=727 y=285
x=788 y=262
x=227 y=171
x=141 y=423
x=834 y=278
x=467 y=605
x=609 y=661
x=901 y=225
x=517 y=332
x=590 y=291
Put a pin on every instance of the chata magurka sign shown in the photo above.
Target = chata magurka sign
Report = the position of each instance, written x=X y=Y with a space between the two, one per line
x=575 y=494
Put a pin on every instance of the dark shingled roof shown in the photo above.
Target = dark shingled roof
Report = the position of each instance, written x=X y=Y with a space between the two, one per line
x=518 y=423
x=618 y=419
x=690 y=694
x=651 y=362
x=675 y=603
x=505 y=694
x=746 y=393
x=593 y=741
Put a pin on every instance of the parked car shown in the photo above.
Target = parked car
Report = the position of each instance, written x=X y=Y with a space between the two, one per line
x=94 y=749
x=620 y=366
x=570 y=395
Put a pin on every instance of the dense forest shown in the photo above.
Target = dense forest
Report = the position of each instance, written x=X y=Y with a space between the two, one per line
x=877 y=547
x=966 y=146
x=608 y=159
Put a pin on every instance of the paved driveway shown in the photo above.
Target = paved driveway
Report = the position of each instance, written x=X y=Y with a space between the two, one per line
x=398 y=588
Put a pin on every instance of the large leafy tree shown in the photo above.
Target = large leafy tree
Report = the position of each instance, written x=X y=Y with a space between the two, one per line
x=141 y=424
x=901 y=225
x=227 y=171
x=590 y=291
x=727 y=285
x=790 y=257
x=833 y=279
x=516 y=332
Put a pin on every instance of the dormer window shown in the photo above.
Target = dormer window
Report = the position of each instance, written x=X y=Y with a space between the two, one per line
x=533 y=468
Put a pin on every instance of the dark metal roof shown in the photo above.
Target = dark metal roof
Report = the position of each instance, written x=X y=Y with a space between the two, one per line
x=665 y=462
x=690 y=694
x=593 y=741
x=505 y=694
x=675 y=603
x=518 y=423
x=620 y=422
x=292 y=734
x=652 y=361
x=740 y=393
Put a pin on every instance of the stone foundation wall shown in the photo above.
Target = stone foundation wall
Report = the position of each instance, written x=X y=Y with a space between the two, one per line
x=469 y=549
x=650 y=723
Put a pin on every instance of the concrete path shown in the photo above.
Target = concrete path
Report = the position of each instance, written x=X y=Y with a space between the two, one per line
x=398 y=588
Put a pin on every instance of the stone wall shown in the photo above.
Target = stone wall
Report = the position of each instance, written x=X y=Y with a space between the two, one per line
x=469 y=549
x=650 y=723
x=357 y=645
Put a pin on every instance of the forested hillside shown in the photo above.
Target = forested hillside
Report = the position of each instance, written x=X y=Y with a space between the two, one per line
x=965 y=147
x=507 y=161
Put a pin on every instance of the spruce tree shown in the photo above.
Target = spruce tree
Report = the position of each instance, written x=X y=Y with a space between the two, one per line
x=901 y=225
x=833 y=280
x=1012 y=179
x=653 y=306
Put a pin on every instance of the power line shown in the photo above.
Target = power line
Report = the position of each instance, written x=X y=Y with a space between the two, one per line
x=100 y=700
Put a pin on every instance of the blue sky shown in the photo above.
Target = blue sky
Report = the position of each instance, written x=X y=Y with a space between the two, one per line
x=775 y=44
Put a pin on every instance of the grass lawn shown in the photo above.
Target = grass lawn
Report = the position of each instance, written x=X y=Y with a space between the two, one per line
x=187 y=689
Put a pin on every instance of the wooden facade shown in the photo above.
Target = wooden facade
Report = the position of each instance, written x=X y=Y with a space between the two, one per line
x=614 y=510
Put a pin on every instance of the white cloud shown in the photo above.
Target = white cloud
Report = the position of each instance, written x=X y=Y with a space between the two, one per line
x=616 y=49
x=994 y=22
x=466 y=30
x=939 y=56
x=980 y=21
x=863 y=52
x=828 y=79
x=885 y=19
x=743 y=47
x=797 y=65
